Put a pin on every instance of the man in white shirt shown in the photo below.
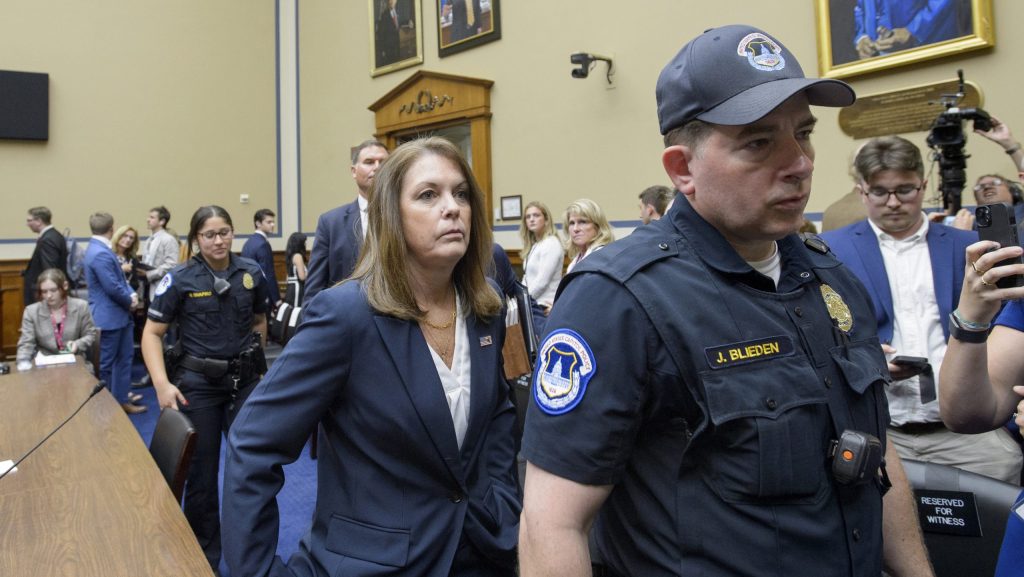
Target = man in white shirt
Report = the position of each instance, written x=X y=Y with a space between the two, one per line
x=162 y=249
x=913 y=270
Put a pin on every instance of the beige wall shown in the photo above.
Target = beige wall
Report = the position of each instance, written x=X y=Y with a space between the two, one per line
x=556 y=138
x=151 y=103
x=175 y=102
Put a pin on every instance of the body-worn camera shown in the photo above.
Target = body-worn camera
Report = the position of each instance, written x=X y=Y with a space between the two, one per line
x=947 y=140
x=856 y=457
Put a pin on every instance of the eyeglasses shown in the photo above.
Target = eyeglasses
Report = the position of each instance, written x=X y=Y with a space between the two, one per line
x=224 y=233
x=880 y=195
x=981 y=186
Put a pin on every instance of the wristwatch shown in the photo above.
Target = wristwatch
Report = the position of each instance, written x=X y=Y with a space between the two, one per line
x=959 y=331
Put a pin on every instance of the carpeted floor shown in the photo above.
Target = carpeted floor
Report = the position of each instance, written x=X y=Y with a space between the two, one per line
x=295 y=501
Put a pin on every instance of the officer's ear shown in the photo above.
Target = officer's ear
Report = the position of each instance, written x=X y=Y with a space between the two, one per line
x=676 y=160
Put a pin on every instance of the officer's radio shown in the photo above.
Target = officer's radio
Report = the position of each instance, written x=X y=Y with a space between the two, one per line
x=220 y=286
x=856 y=457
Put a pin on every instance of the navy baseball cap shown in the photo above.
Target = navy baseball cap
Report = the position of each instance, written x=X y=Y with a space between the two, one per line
x=735 y=75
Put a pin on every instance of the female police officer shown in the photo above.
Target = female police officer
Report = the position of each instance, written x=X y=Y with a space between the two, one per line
x=218 y=300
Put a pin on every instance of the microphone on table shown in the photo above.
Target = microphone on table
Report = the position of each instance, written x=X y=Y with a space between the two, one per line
x=99 y=387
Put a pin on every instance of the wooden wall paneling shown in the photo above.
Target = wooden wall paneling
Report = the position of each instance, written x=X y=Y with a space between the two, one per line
x=11 y=305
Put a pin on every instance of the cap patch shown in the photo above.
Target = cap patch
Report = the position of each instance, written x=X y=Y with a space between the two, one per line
x=165 y=283
x=762 y=52
x=564 y=367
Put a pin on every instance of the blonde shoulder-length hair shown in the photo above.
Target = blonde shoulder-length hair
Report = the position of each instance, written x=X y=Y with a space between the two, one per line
x=383 y=262
x=591 y=211
x=133 y=250
x=529 y=238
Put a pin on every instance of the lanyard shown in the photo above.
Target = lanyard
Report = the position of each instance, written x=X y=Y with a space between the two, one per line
x=58 y=327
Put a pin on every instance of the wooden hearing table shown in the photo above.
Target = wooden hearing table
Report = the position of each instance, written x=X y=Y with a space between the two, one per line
x=90 y=500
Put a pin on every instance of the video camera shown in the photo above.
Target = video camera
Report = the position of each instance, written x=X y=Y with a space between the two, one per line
x=947 y=139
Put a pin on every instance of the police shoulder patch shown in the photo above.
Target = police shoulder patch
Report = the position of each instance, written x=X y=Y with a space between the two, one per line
x=565 y=365
x=165 y=283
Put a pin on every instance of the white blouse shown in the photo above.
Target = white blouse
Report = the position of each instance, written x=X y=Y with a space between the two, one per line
x=544 y=269
x=579 y=258
x=457 y=379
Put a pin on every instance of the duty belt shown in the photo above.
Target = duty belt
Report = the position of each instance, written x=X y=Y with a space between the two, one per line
x=211 y=368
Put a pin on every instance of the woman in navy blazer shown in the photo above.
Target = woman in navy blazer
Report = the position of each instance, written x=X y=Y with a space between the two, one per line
x=401 y=367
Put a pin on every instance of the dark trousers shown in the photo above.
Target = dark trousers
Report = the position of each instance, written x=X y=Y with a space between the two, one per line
x=116 y=361
x=212 y=407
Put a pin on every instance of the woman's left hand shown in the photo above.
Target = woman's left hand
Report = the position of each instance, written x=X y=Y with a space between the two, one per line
x=127 y=267
x=980 y=298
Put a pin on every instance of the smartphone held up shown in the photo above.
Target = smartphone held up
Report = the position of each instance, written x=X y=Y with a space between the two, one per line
x=996 y=222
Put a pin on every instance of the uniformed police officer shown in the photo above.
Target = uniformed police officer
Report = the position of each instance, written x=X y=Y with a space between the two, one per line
x=219 y=302
x=698 y=411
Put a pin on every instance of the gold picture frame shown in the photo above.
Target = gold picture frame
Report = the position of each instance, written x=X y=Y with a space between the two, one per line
x=862 y=36
x=396 y=35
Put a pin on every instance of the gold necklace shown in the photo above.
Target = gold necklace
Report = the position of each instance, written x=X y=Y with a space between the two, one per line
x=441 y=347
x=448 y=325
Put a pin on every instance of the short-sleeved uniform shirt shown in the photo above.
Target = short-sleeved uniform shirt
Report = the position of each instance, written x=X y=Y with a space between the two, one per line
x=708 y=398
x=1012 y=315
x=211 y=325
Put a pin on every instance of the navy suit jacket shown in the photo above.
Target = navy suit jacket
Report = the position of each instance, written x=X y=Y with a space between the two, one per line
x=857 y=246
x=395 y=493
x=110 y=297
x=339 y=237
x=258 y=249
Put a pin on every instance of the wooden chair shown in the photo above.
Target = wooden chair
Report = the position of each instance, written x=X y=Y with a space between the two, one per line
x=174 y=440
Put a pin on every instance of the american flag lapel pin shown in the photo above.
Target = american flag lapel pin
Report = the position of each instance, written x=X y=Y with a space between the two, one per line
x=485 y=341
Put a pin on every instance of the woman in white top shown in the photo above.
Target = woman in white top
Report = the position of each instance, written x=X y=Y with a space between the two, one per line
x=588 y=230
x=543 y=254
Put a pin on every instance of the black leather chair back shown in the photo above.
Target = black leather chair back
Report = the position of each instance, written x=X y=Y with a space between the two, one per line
x=174 y=440
x=959 y=555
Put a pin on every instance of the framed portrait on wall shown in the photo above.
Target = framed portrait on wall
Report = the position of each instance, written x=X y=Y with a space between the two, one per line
x=862 y=36
x=512 y=207
x=396 y=35
x=464 y=24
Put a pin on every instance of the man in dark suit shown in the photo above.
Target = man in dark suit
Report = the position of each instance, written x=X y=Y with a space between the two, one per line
x=466 y=19
x=340 y=232
x=913 y=270
x=258 y=249
x=51 y=250
x=111 y=301
x=388 y=42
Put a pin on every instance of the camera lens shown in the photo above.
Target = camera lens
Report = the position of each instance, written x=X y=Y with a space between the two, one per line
x=983 y=214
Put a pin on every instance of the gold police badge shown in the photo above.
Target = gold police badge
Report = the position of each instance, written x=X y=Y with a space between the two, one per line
x=837 y=308
x=248 y=284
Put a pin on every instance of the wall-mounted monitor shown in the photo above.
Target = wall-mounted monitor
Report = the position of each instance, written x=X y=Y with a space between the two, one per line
x=24 y=105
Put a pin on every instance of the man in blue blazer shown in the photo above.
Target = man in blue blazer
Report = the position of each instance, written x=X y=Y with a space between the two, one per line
x=340 y=232
x=914 y=269
x=110 y=302
x=258 y=249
